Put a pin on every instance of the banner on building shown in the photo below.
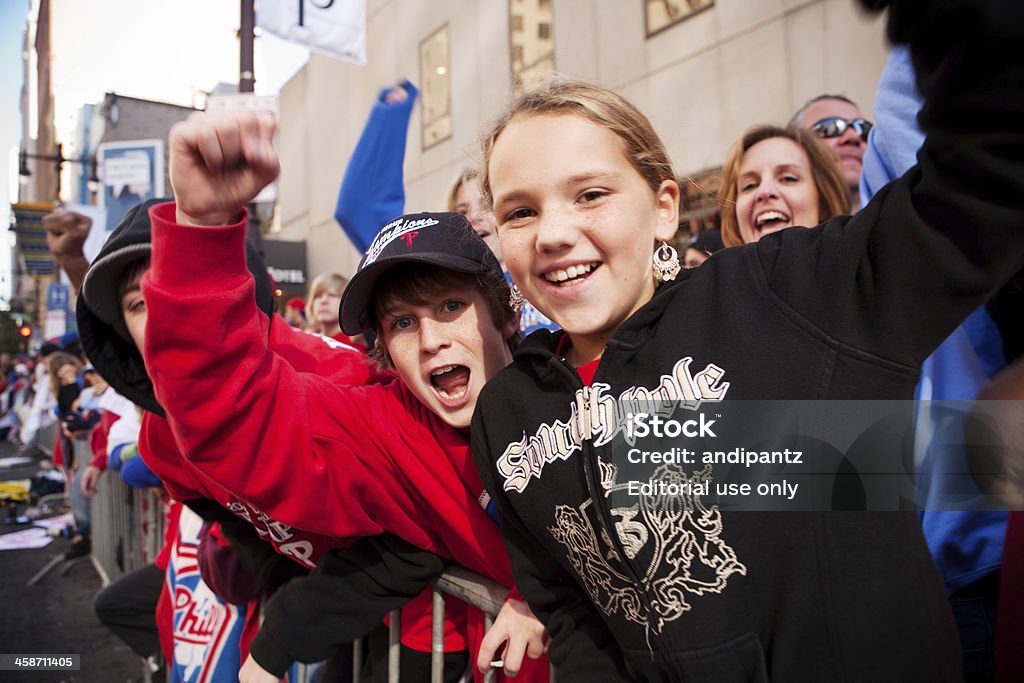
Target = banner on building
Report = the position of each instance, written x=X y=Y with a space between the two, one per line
x=336 y=28
x=31 y=237
x=132 y=172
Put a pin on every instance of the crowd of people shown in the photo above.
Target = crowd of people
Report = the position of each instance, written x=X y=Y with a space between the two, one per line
x=326 y=458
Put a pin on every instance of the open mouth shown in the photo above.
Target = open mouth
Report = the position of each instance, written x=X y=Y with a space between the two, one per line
x=451 y=381
x=769 y=220
x=572 y=274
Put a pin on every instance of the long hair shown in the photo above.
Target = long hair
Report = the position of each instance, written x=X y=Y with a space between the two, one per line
x=54 y=362
x=644 y=149
x=464 y=177
x=833 y=197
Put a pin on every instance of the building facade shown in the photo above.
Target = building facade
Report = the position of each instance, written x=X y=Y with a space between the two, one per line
x=703 y=71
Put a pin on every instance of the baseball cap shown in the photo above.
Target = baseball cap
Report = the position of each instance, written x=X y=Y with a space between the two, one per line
x=446 y=240
x=296 y=303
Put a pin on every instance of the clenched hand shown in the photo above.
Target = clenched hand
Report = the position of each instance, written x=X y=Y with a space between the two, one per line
x=219 y=162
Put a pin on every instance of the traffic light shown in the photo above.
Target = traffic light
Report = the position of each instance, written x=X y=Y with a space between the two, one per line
x=25 y=331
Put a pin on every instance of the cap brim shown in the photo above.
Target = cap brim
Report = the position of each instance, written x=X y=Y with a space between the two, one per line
x=99 y=289
x=356 y=302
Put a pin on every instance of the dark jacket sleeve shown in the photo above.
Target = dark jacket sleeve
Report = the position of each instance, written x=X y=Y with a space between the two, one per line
x=897 y=278
x=582 y=648
x=245 y=567
x=345 y=599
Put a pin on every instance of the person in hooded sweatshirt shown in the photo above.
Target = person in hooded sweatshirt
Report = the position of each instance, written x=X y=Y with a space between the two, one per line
x=310 y=621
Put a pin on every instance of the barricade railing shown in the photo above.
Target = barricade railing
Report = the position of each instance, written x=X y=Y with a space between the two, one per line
x=471 y=588
x=127 y=527
x=128 y=530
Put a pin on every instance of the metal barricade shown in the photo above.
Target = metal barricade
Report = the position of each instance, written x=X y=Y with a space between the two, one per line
x=476 y=590
x=127 y=533
x=127 y=527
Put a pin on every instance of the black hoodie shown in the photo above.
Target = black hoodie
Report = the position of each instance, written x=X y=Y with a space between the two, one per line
x=666 y=589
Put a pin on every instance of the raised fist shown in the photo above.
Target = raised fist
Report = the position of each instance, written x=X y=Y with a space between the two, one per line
x=66 y=232
x=219 y=162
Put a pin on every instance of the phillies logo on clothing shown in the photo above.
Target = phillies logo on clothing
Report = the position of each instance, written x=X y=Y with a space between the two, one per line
x=198 y=618
x=408 y=237
x=394 y=230
x=280 y=535
x=206 y=630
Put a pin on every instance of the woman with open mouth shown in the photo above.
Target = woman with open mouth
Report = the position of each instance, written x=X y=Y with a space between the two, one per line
x=775 y=178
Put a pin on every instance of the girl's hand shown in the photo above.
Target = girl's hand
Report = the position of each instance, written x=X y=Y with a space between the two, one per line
x=251 y=672
x=521 y=633
x=219 y=162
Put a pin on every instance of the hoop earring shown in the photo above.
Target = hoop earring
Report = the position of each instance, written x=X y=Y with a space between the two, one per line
x=665 y=262
x=515 y=298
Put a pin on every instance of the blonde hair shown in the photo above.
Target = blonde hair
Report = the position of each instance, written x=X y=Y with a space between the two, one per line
x=334 y=283
x=644 y=149
x=57 y=360
x=464 y=177
x=833 y=197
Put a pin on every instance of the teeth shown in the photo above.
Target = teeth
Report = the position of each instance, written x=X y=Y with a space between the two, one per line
x=769 y=216
x=441 y=371
x=459 y=393
x=570 y=273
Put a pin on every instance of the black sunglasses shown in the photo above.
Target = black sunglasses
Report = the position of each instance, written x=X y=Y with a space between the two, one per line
x=834 y=126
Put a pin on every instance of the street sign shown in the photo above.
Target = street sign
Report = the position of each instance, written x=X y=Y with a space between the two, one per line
x=57 y=296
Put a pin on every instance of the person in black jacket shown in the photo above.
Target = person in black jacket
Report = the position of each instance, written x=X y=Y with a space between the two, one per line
x=662 y=587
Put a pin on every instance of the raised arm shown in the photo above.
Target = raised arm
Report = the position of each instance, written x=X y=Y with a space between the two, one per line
x=307 y=451
x=66 y=232
x=932 y=246
x=239 y=411
x=372 y=191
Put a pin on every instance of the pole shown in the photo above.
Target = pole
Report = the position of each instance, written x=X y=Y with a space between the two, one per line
x=246 y=83
x=246 y=38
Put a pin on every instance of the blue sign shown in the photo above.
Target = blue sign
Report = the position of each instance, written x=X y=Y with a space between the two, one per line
x=132 y=172
x=57 y=296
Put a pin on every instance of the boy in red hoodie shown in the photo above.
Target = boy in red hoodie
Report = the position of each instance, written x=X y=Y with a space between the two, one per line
x=280 y=442
x=112 y=280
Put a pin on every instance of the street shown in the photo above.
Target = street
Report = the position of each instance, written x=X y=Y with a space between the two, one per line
x=55 y=616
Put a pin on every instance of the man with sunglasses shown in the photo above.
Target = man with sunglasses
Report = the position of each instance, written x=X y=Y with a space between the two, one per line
x=839 y=122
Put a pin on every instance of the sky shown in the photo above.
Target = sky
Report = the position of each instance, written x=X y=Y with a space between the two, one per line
x=164 y=50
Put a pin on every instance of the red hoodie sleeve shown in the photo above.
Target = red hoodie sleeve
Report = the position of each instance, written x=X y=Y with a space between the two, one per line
x=310 y=452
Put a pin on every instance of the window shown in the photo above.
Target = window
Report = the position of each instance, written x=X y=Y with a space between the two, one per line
x=700 y=202
x=532 y=42
x=660 y=14
x=435 y=90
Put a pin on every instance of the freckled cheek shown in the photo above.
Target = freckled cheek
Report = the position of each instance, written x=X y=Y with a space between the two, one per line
x=405 y=356
x=515 y=251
